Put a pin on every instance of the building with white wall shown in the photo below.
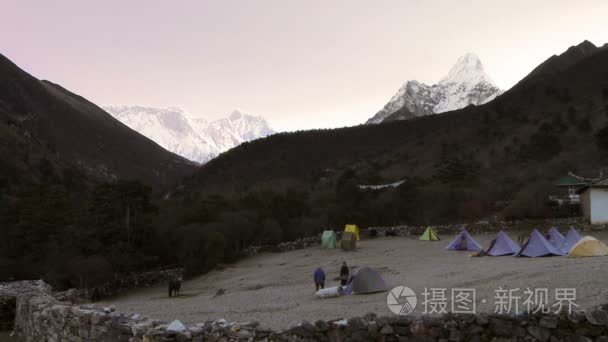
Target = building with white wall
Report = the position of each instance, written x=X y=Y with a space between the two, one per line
x=594 y=201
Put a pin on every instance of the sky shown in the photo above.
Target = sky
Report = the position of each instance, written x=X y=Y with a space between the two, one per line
x=300 y=64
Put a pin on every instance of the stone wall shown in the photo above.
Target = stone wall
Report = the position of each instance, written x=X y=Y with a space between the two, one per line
x=41 y=317
x=119 y=284
x=7 y=312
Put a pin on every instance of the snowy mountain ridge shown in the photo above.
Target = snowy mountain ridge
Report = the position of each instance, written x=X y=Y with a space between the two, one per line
x=193 y=138
x=466 y=83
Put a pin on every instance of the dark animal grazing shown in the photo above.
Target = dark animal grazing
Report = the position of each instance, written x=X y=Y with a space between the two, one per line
x=174 y=286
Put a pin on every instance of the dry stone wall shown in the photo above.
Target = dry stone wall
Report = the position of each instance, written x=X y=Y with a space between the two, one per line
x=41 y=317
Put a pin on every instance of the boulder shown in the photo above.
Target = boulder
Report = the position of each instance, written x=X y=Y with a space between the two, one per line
x=549 y=322
x=176 y=327
x=387 y=330
x=501 y=327
x=539 y=333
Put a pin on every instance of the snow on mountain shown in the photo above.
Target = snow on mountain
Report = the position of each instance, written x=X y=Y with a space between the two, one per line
x=466 y=83
x=193 y=138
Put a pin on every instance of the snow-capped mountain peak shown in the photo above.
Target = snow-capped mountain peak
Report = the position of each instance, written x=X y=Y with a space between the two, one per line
x=467 y=70
x=191 y=137
x=466 y=83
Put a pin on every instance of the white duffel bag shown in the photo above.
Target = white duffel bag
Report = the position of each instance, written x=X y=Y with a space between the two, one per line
x=330 y=292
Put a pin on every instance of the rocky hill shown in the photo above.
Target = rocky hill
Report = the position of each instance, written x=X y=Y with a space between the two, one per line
x=466 y=84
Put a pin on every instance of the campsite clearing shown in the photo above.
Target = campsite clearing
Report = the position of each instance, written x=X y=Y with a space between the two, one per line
x=278 y=289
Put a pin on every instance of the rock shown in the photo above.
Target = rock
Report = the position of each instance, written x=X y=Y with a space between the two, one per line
x=501 y=327
x=577 y=316
x=140 y=329
x=482 y=319
x=455 y=336
x=322 y=325
x=597 y=317
x=196 y=330
x=475 y=330
x=372 y=328
x=251 y=325
x=184 y=336
x=467 y=318
x=387 y=330
x=357 y=323
x=359 y=336
x=577 y=338
x=548 y=322
x=304 y=329
x=176 y=327
x=539 y=333
x=370 y=316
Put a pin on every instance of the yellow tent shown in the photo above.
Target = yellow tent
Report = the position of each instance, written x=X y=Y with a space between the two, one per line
x=352 y=228
x=588 y=246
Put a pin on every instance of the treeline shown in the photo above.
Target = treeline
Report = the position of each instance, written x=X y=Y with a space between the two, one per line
x=80 y=240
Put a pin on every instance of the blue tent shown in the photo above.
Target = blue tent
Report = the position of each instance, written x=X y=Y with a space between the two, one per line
x=572 y=237
x=503 y=245
x=555 y=237
x=537 y=246
x=464 y=242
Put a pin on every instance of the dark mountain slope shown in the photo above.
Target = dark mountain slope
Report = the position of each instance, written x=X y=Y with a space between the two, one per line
x=536 y=131
x=82 y=133
x=558 y=63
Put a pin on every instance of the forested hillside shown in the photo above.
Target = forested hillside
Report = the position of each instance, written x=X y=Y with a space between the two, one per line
x=499 y=158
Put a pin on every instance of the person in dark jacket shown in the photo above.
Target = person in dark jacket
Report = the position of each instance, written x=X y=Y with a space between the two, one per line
x=319 y=278
x=343 y=274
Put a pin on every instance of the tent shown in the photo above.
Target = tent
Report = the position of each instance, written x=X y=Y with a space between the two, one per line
x=537 y=246
x=555 y=237
x=366 y=280
x=464 y=242
x=503 y=245
x=570 y=240
x=328 y=239
x=588 y=247
x=352 y=228
x=429 y=235
x=349 y=241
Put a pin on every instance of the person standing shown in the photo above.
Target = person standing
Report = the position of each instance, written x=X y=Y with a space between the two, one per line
x=319 y=278
x=343 y=274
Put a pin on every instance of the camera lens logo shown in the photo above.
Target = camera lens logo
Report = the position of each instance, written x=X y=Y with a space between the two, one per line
x=401 y=300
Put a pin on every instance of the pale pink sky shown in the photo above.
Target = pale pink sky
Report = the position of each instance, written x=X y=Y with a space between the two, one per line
x=300 y=64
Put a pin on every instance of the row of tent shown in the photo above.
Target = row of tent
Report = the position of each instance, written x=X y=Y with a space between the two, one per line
x=537 y=245
x=573 y=244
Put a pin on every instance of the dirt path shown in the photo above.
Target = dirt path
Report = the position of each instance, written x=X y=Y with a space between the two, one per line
x=277 y=289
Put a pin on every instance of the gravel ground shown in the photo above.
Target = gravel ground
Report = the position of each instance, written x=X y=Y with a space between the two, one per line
x=277 y=289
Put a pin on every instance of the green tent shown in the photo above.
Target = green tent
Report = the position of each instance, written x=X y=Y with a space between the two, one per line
x=366 y=280
x=429 y=235
x=328 y=239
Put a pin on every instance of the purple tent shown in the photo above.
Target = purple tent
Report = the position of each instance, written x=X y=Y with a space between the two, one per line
x=570 y=240
x=464 y=242
x=555 y=237
x=503 y=245
x=537 y=246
